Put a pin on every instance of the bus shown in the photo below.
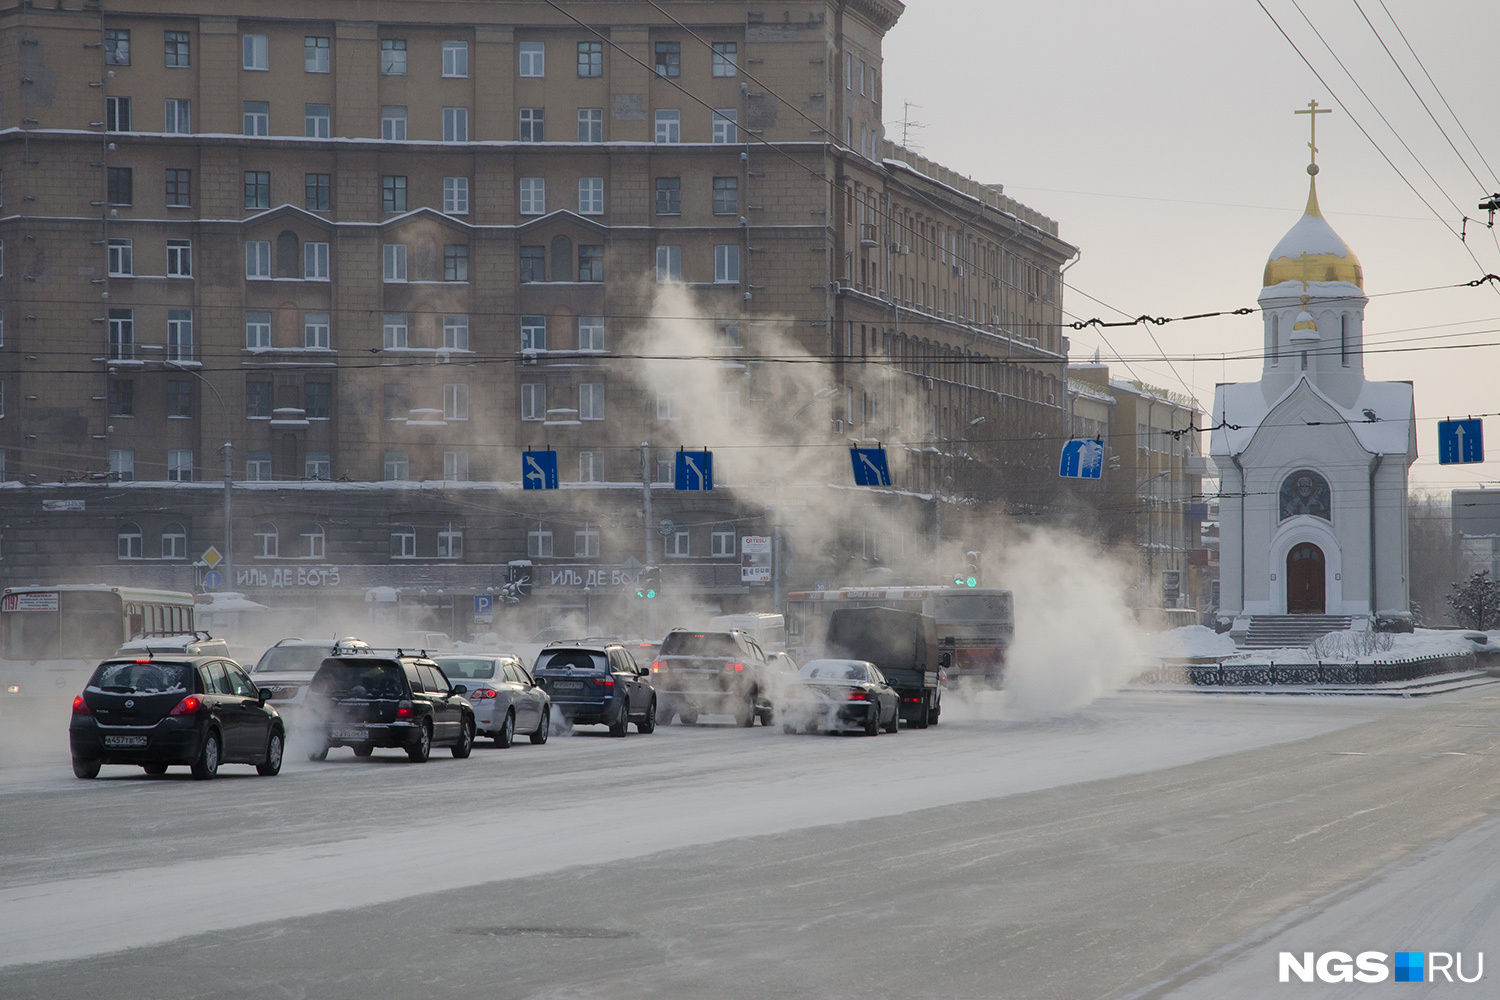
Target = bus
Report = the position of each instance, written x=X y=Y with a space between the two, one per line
x=975 y=626
x=51 y=638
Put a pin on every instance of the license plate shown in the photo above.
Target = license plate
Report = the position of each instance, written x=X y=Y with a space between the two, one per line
x=124 y=741
x=569 y=685
x=348 y=734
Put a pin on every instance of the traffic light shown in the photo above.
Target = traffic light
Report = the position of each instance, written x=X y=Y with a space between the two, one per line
x=648 y=586
x=970 y=575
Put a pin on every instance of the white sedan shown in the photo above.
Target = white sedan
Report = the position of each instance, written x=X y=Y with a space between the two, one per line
x=505 y=698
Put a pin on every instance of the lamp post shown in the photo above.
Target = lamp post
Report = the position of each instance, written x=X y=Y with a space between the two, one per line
x=228 y=471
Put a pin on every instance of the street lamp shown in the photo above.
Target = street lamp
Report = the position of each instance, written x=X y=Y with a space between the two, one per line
x=228 y=471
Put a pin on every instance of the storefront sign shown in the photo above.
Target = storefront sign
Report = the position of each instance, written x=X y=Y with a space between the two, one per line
x=755 y=559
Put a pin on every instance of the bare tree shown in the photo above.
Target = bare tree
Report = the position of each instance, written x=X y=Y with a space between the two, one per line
x=1431 y=557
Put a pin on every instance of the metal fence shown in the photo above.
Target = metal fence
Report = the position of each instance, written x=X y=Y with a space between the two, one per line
x=1319 y=672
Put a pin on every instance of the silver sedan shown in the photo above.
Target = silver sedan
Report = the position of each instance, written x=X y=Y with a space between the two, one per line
x=505 y=698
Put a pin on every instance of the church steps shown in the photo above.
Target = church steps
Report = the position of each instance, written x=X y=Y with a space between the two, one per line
x=1291 y=631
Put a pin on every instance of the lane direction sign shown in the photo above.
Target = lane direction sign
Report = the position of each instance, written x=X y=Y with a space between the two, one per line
x=870 y=468
x=695 y=470
x=1082 y=458
x=539 y=470
x=1461 y=442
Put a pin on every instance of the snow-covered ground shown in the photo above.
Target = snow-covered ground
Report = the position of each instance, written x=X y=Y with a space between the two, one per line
x=1198 y=641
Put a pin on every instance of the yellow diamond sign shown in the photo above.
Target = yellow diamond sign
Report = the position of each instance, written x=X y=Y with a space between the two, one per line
x=212 y=557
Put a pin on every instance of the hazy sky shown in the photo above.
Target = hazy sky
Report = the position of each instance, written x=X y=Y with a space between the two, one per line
x=1160 y=136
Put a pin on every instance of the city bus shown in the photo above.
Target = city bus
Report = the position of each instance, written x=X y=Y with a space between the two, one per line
x=51 y=638
x=975 y=626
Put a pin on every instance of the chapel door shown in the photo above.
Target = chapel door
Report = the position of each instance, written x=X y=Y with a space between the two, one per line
x=1305 y=580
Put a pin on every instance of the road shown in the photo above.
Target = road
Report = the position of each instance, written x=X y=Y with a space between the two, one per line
x=1146 y=846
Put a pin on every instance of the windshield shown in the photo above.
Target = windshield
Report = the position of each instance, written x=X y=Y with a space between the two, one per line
x=469 y=668
x=834 y=670
x=144 y=678
x=289 y=659
x=66 y=625
x=336 y=679
x=700 y=644
x=571 y=659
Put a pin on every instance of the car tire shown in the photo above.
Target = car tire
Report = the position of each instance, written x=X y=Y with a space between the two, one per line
x=506 y=734
x=810 y=728
x=318 y=754
x=275 y=751
x=619 y=728
x=688 y=717
x=156 y=768
x=465 y=744
x=767 y=716
x=85 y=768
x=924 y=712
x=648 y=724
x=542 y=731
x=423 y=748
x=745 y=718
x=936 y=711
x=894 y=726
x=207 y=764
x=872 y=721
x=363 y=750
x=788 y=728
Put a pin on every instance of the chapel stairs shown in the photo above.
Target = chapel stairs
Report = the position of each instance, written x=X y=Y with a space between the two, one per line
x=1291 y=631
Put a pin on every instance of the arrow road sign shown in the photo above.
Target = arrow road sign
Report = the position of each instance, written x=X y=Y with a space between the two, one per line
x=870 y=468
x=695 y=470
x=213 y=580
x=539 y=470
x=1461 y=442
x=1082 y=458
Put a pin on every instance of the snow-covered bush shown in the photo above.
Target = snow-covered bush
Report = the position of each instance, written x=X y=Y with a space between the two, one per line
x=1351 y=644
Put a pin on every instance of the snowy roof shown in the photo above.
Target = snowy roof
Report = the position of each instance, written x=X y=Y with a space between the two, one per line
x=1243 y=405
x=1310 y=235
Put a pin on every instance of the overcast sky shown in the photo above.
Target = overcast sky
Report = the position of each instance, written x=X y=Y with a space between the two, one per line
x=1160 y=136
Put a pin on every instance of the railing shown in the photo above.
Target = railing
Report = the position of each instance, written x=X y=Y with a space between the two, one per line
x=1318 y=672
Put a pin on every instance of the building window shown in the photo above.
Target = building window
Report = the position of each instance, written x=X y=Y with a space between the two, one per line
x=668 y=265
x=729 y=334
x=179 y=465
x=178 y=116
x=450 y=540
x=456 y=262
x=586 y=542
x=257 y=189
x=313 y=540
x=591 y=466
x=258 y=400
x=666 y=469
x=533 y=333
x=179 y=188
x=121 y=186
x=315 y=331
x=128 y=540
x=533 y=125
x=727 y=263
x=116 y=47
x=590 y=59
x=258 y=259
x=533 y=59
x=317 y=121
x=533 y=264
x=317 y=466
x=267 y=539
x=667 y=406
x=721 y=541
x=455 y=58
x=668 y=58
x=590 y=262
x=258 y=470
x=393 y=257
x=393 y=57
x=725 y=129
x=121 y=334
x=456 y=333
x=669 y=196
x=122 y=465
x=591 y=196
x=315 y=261
x=729 y=404
x=590 y=124
x=591 y=333
x=591 y=401
x=317 y=400
x=456 y=195
x=539 y=543
x=395 y=331
x=179 y=335
x=726 y=58
x=257 y=118
x=397 y=407
x=726 y=196
x=393 y=193
x=396 y=468
x=318 y=192
x=533 y=401
x=403 y=541
x=257 y=330
x=455 y=124
x=678 y=543
x=117 y=114
x=121 y=258
x=121 y=395
x=456 y=401
x=256 y=52
x=668 y=126
x=393 y=122
x=315 y=53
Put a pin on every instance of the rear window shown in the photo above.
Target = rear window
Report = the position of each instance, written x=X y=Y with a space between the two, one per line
x=700 y=644
x=469 y=668
x=289 y=659
x=144 y=678
x=336 y=679
x=834 y=670
x=574 y=659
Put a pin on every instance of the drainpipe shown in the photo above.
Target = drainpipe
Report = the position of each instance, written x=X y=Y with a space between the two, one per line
x=1374 y=606
x=1236 y=460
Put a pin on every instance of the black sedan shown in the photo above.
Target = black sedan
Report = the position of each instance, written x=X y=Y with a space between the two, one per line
x=840 y=694
x=200 y=711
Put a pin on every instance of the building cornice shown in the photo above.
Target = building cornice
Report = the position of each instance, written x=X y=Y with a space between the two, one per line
x=882 y=13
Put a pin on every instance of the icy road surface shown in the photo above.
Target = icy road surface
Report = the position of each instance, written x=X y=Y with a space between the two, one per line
x=1147 y=845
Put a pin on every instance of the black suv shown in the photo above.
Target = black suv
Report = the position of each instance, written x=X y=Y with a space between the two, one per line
x=597 y=684
x=366 y=700
x=721 y=673
x=191 y=706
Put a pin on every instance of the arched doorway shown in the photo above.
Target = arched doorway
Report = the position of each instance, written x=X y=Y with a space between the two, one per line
x=1305 y=580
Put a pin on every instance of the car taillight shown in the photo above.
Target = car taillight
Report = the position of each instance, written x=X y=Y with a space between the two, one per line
x=858 y=696
x=656 y=666
x=80 y=707
x=734 y=666
x=605 y=682
x=481 y=694
x=188 y=706
x=403 y=710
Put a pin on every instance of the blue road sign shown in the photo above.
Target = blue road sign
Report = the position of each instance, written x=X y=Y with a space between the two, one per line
x=213 y=580
x=870 y=468
x=1460 y=442
x=695 y=470
x=1082 y=458
x=539 y=470
x=484 y=604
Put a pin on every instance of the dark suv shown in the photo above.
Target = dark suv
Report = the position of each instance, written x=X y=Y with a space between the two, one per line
x=719 y=673
x=597 y=684
x=367 y=700
x=187 y=707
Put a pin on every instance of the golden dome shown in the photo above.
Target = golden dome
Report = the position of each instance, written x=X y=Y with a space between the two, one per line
x=1312 y=251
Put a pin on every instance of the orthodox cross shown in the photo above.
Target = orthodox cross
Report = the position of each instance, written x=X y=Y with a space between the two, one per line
x=1313 y=111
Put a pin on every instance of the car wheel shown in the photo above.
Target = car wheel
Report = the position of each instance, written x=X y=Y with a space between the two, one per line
x=924 y=712
x=811 y=727
x=423 y=749
x=506 y=734
x=207 y=764
x=936 y=710
x=788 y=728
x=872 y=721
x=746 y=716
x=85 y=768
x=465 y=743
x=157 y=768
x=363 y=750
x=618 y=728
x=540 y=736
x=648 y=724
x=318 y=754
x=688 y=717
x=275 y=750
x=767 y=716
x=894 y=726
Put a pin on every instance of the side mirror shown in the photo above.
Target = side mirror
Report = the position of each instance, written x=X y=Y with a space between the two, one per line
x=460 y=689
x=264 y=694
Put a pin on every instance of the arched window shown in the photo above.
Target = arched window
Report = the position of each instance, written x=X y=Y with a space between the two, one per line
x=562 y=258
x=450 y=541
x=312 y=540
x=1344 y=339
x=721 y=541
x=267 y=541
x=128 y=541
x=1275 y=338
x=1306 y=492
x=174 y=542
x=288 y=255
x=403 y=541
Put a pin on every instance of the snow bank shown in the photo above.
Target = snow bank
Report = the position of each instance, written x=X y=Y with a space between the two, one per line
x=1190 y=641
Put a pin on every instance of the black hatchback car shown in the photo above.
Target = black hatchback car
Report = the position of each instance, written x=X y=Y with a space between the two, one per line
x=201 y=711
x=597 y=684
x=370 y=700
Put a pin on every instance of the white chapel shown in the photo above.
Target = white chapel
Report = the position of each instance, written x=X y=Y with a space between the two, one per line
x=1313 y=459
